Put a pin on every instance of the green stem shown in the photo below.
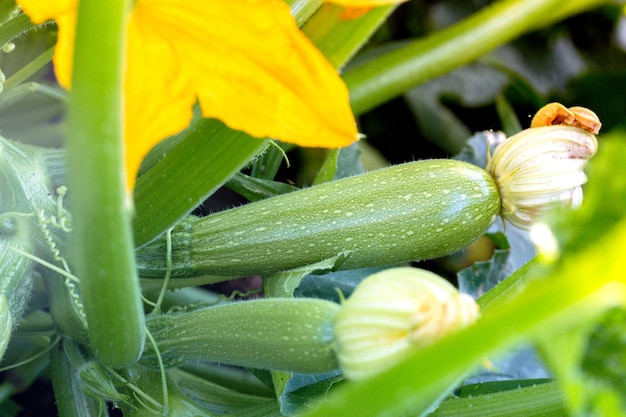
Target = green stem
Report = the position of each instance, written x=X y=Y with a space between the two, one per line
x=29 y=69
x=377 y=81
x=64 y=374
x=64 y=308
x=302 y=10
x=100 y=204
x=509 y=288
x=24 y=90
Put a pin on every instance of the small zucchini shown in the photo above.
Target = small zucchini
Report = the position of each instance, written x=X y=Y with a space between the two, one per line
x=413 y=211
x=283 y=334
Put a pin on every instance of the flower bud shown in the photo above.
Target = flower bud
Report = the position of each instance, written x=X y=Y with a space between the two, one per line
x=394 y=312
x=539 y=168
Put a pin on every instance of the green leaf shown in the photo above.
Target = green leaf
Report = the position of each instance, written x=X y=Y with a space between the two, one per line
x=267 y=164
x=482 y=388
x=541 y=400
x=513 y=250
x=303 y=390
x=149 y=385
x=211 y=396
x=328 y=169
x=329 y=286
x=8 y=10
x=340 y=163
x=166 y=192
x=473 y=85
x=339 y=38
x=478 y=147
x=600 y=84
x=263 y=410
x=302 y=10
x=508 y=118
x=484 y=275
x=14 y=27
x=563 y=351
x=283 y=284
x=31 y=352
x=255 y=189
x=349 y=162
x=526 y=60
x=605 y=359
x=10 y=409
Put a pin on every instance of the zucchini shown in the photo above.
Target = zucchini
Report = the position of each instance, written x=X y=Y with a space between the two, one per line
x=293 y=335
x=414 y=211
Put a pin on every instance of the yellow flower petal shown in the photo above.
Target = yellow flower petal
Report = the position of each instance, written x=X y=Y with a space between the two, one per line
x=64 y=13
x=298 y=97
x=245 y=61
x=364 y=3
x=39 y=11
x=159 y=95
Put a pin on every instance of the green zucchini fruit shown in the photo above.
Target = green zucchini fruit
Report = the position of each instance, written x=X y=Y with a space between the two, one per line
x=284 y=334
x=414 y=211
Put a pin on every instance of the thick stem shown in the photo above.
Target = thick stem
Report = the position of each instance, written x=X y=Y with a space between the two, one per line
x=101 y=205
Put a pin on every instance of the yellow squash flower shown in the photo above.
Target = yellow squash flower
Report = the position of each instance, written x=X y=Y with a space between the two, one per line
x=365 y=3
x=245 y=61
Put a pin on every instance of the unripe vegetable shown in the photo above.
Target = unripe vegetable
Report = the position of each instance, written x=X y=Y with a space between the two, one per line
x=283 y=334
x=414 y=211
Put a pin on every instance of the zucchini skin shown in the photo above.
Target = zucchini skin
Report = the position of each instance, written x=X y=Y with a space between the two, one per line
x=408 y=212
x=293 y=335
x=414 y=211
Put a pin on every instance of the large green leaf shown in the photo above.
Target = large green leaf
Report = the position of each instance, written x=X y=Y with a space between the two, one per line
x=206 y=155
